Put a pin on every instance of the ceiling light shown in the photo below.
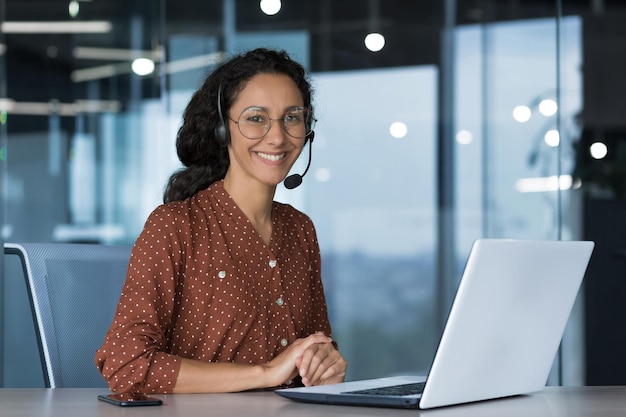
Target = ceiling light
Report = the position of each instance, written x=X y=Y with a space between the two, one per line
x=270 y=7
x=464 y=137
x=56 y=27
x=115 y=54
x=598 y=150
x=107 y=71
x=73 y=8
x=548 y=107
x=552 y=138
x=374 y=42
x=398 y=130
x=195 y=62
x=545 y=184
x=11 y=106
x=97 y=73
x=143 y=66
x=522 y=113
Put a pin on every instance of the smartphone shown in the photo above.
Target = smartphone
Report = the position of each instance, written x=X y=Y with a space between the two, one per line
x=129 y=400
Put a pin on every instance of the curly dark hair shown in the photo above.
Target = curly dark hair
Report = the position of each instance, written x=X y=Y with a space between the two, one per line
x=203 y=154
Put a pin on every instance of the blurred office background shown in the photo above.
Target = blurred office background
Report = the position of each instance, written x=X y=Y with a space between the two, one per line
x=439 y=122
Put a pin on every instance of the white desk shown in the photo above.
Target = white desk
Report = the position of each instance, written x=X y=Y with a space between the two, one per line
x=82 y=402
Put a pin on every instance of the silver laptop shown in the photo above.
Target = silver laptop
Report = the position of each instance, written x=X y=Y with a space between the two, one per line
x=502 y=333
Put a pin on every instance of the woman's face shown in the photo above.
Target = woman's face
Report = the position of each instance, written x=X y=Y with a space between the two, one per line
x=268 y=159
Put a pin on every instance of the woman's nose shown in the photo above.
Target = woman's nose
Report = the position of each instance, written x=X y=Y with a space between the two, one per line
x=276 y=134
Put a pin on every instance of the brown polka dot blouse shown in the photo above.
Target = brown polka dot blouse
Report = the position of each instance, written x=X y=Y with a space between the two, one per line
x=202 y=284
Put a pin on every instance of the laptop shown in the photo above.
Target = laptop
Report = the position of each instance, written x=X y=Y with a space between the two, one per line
x=502 y=333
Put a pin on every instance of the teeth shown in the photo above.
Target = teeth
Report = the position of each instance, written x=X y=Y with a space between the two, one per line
x=271 y=157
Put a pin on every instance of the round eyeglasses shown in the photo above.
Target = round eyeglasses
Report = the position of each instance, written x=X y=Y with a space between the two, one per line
x=255 y=122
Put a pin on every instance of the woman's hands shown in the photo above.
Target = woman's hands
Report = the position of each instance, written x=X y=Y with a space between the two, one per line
x=314 y=358
x=320 y=364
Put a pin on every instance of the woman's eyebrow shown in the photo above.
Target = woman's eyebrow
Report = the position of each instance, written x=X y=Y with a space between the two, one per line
x=267 y=109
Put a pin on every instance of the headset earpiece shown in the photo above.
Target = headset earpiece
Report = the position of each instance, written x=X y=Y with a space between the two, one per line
x=221 y=135
x=221 y=131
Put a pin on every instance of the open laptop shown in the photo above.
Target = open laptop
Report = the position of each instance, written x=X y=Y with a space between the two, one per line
x=502 y=333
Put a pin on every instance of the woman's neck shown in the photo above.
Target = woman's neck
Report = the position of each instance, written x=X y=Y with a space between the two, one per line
x=255 y=200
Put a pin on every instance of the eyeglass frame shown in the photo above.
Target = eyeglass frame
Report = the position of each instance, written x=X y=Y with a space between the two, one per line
x=309 y=124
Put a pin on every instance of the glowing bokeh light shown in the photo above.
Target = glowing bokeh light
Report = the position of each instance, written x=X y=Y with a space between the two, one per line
x=552 y=138
x=398 y=130
x=322 y=175
x=464 y=137
x=73 y=8
x=270 y=7
x=522 y=113
x=598 y=150
x=374 y=42
x=143 y=66
x=548 y=107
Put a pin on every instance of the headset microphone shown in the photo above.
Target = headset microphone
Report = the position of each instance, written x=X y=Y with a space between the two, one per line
x=295 y=180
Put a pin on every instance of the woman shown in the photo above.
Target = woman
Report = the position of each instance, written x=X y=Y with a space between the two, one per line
x=224 y=289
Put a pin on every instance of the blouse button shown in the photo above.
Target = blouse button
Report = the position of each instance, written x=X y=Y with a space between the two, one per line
x=280 y=301
x=222 y=274
x=283 y=342
x=272 y=263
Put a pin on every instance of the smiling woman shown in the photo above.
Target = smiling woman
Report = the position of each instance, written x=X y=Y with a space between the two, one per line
x=224 y=290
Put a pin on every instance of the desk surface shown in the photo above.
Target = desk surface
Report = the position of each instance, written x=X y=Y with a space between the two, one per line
x=74 y=402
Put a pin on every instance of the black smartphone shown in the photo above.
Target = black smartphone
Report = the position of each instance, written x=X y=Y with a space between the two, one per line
x=129 y=400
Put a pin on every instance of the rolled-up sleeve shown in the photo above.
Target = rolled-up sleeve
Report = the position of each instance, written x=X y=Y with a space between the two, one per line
x=133 y=356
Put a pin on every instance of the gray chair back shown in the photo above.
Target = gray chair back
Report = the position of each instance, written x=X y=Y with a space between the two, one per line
x=73 y=290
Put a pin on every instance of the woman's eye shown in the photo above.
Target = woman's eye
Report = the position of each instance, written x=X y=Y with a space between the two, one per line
x=256 y=118
x=294 y=117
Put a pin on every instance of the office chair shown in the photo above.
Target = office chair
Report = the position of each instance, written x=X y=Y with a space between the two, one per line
x=73 y=291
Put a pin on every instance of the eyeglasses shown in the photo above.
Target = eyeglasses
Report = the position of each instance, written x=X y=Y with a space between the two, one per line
x=255 y=122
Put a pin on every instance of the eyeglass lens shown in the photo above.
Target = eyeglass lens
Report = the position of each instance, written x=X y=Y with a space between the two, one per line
x=255 y=122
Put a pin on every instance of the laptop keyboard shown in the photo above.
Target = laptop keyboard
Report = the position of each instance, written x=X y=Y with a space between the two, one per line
x=402 y=389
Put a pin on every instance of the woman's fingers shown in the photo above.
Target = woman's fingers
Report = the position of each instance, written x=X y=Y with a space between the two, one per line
x=285 y=366
x=321 y=363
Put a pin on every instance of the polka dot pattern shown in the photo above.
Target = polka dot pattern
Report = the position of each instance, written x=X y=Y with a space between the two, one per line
x=202 y=284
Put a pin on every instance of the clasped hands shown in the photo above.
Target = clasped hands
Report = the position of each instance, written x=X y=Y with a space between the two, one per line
x=314 y=358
